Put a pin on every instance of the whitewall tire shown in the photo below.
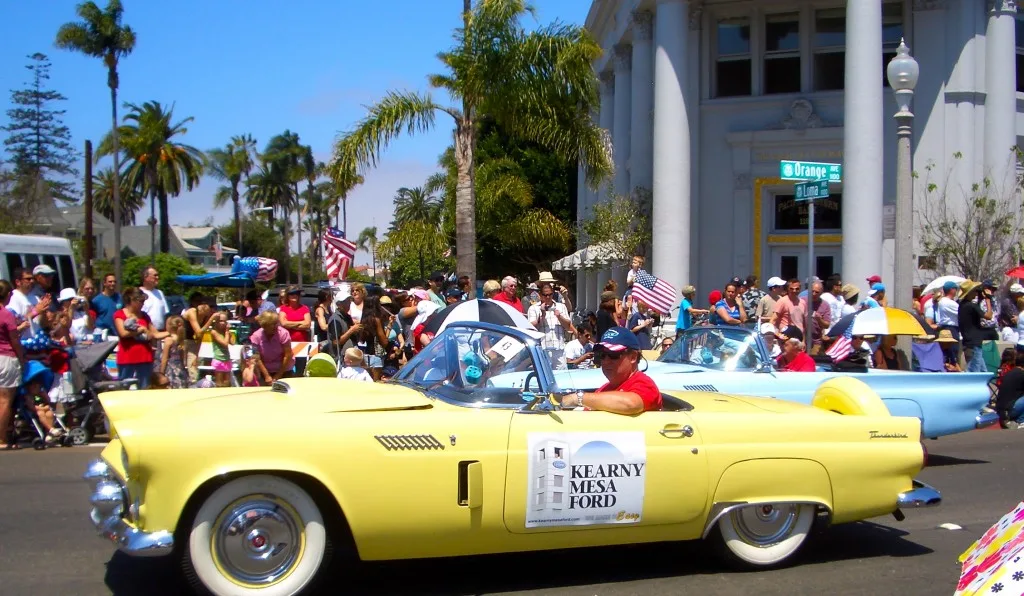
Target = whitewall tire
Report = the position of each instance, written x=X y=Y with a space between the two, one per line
x=763 y=535
x=256 y=535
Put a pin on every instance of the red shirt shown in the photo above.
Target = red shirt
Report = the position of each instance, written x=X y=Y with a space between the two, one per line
x=131 y=350
x=503 y=298
x=642 y=385
x=296 y=315
x=801 y=363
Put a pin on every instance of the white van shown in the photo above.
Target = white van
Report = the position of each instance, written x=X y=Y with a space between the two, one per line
x=30 y=250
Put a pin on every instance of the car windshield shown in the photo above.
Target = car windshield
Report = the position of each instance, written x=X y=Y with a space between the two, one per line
x=473 y=367
x=715 y=348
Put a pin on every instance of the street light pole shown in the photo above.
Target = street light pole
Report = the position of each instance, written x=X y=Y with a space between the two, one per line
x=902 y=73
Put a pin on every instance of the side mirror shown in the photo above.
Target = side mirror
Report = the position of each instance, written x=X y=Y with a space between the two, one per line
x=539 y=403
x=763 y=367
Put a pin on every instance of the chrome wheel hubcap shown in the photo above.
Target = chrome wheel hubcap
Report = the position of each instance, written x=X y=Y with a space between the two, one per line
x=764 y=525
x=257 y=541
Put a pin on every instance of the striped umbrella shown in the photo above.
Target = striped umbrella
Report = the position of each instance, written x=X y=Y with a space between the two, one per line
x=485 y=311
x=879 y=321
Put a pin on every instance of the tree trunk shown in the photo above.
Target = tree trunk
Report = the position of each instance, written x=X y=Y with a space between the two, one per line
x=465 y=202
x=235 y=198
x=165 y=224
x=151 y=176
x=87 y=257
x=286 y=220
x=344 y=216
x=115 y=138
x=298 y=229
x=373 y=260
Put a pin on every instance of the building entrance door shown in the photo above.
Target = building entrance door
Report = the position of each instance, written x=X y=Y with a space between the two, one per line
x=788 y=262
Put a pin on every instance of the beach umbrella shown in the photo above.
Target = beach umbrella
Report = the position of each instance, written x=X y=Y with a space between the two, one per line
x=482 y=310
x=995 y=563
x=938 y=282
x=879 y=321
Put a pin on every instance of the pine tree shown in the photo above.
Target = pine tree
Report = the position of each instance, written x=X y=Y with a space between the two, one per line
x=38 y=143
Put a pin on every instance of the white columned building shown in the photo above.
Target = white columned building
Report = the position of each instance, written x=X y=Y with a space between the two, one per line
x=703 y=98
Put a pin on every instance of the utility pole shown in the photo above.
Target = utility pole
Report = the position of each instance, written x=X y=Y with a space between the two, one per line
x=88 y=256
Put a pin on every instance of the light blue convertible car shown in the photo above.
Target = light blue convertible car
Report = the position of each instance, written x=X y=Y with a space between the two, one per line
x=736 y=360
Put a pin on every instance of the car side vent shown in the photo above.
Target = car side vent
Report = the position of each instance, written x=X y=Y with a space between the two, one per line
x=710 y=388
x=280 y=387
x=409 y=442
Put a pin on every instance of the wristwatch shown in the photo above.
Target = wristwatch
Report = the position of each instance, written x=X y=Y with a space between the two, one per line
x=579 y=398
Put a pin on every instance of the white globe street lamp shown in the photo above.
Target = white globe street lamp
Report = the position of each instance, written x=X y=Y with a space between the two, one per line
x=902 y=73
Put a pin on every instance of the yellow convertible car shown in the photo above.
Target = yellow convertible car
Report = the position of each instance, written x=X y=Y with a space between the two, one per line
x=254 y=488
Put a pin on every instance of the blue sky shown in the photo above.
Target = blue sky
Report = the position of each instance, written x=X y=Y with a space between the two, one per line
x=258 y=67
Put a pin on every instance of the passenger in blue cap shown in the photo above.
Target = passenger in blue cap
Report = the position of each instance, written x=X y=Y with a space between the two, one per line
x=628 y=390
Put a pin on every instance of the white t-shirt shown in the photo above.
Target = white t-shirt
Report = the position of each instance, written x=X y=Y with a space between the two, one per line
x=947 y=313
x=21 y=305
x=356 y=373
x=156 y=307
x=835 y=305
x=79 y=325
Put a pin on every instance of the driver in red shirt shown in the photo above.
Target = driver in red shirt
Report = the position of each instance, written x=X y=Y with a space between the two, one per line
x=628 y=391
x=794 y=359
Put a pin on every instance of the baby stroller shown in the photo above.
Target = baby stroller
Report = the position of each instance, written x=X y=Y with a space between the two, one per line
x=89 y=377
x=26 y=420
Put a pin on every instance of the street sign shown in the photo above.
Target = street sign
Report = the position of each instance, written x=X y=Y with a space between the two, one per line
x=807 y=170
x=808 y=191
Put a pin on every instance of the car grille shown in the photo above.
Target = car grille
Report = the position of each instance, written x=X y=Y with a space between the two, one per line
x=710 y=388
x=409 y=442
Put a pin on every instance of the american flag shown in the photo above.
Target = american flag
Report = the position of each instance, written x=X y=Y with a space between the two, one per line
x=654 y=292
x=843 y=346
x=261 y=268
x=338 y=253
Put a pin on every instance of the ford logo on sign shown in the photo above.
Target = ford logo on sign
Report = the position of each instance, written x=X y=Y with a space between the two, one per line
x=559 y=464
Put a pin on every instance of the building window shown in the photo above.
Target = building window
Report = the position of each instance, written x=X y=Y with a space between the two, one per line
x=1020 y=54
x=782 y=53
x=829 y=49
x=892 y=34
x=732 y=67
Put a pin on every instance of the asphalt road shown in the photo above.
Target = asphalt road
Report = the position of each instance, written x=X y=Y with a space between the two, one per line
x=47 y=544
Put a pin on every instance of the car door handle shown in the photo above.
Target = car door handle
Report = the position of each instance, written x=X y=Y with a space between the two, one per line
x=676 y=432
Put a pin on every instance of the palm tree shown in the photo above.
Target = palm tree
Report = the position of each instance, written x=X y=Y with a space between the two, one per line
x=268 y=187
x=230 y=164
x=159 y=164
x=132 y=201
x=539 y=85
x=416 y=204
x=368 y=241
x=100 y=34
x=285 y=153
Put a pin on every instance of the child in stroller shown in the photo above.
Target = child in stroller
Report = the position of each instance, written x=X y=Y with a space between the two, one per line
x=33 y=406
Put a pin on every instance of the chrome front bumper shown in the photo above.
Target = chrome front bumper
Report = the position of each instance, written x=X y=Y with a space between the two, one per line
x=110 y=505
x=986 y=418
x=921 y=495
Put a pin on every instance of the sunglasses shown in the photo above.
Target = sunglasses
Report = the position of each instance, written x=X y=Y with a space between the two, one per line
x=613 y=355
x=666 y=345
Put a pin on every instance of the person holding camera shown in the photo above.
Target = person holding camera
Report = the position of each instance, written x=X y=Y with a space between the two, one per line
x=552 y=319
